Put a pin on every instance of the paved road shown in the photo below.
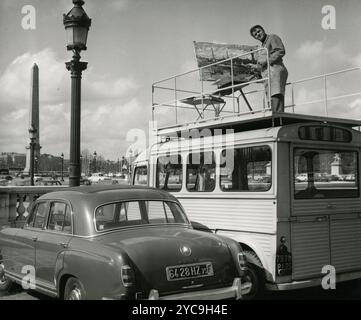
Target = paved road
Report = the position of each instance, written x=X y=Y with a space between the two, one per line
x=348 y=291
x=19 y=294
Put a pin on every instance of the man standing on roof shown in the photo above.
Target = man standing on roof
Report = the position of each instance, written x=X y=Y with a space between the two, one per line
x=278 y=72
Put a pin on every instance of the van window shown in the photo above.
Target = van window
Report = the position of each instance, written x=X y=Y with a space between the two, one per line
x=169 y=173
x=140 y=175
x=325 y=174
x=246 y=169
x=201 y=171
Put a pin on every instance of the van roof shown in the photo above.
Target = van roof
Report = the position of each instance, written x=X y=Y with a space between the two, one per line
x=255 y=121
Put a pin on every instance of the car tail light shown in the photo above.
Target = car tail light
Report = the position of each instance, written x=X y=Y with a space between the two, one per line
x=242 y=261
x=127 y=275
x=2 y=270
x=283 y=259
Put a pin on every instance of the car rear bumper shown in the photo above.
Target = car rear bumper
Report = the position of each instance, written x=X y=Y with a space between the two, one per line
x=235 y=291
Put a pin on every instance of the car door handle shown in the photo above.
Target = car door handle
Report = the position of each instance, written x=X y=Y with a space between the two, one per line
x=63 y=244
x=34 y=238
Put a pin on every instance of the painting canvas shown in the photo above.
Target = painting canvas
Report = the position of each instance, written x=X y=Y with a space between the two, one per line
x=244 y=69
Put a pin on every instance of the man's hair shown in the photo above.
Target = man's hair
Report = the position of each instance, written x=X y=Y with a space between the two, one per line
x=254 y=27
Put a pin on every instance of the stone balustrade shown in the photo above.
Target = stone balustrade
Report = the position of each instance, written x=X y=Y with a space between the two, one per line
x=16 y=202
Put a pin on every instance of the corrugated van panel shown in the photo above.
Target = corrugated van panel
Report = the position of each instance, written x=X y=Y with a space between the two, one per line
x=346 y=244
x=325 y=206
x=233 y=214
x=310 y=248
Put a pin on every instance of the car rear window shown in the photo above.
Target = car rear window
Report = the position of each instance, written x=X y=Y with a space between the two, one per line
x=133 y=213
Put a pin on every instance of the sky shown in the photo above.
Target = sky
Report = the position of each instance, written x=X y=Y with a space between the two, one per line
x=133 y=43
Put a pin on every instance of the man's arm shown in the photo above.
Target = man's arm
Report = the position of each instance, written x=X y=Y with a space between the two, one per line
x=277 y=51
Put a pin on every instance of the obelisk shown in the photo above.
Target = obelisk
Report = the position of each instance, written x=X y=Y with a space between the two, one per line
x=34 y=116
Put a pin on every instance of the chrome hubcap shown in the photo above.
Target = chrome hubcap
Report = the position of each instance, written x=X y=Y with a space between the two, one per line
x=75 y=294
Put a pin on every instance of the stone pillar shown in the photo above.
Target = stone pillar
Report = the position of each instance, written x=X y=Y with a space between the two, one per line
x=336 y=165
x=34 y=115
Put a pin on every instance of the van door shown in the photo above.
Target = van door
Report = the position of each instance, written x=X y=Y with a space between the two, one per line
x=310 y=246
x=345 y=240
x=325 y=211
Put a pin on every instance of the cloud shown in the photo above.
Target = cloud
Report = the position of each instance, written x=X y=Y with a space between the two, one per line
x=15 y=81
x=318 y=56
x=341 y=87
x=309 y=50
x=108 y=106
x=92 y=7
x=355 y=107
x=101 y=88
x=104 y=127
x=118 y=5
x=357 y=60
x=188 y=65
x=54 y=81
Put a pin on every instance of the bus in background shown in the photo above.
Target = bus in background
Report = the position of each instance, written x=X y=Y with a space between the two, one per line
x=285 y=186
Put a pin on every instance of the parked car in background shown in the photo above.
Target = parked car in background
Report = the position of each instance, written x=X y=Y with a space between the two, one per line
x=5 y=180
x=321 y=177
x=120 y=242
x=349 y=177
x=334 y=177
x=38 y=178
x=302 y=177
x=96 y=177
x=85 y=181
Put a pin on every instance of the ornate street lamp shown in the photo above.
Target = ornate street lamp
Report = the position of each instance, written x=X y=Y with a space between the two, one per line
x=81 y=165
x=36 y=169
x=62 y=166
x=76 y=23
x=95 y=161
x=130 y=164
x=32 y=136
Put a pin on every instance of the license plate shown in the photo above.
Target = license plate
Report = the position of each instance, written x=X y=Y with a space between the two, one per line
x=188 y=271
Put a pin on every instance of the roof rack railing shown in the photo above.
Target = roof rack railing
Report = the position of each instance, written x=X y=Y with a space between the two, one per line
x=177 y=103
x=199 y=100
x=325 y=99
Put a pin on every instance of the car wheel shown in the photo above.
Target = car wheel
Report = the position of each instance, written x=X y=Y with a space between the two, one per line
x=255 y=275
x=74 y=290
x=5 y=283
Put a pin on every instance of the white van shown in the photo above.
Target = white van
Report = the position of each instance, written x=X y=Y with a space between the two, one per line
x=266 y=180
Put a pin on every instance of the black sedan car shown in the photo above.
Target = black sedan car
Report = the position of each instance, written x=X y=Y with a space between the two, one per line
x=119 y=242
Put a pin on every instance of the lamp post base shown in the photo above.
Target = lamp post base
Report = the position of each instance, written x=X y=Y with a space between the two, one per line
x=74 y=175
